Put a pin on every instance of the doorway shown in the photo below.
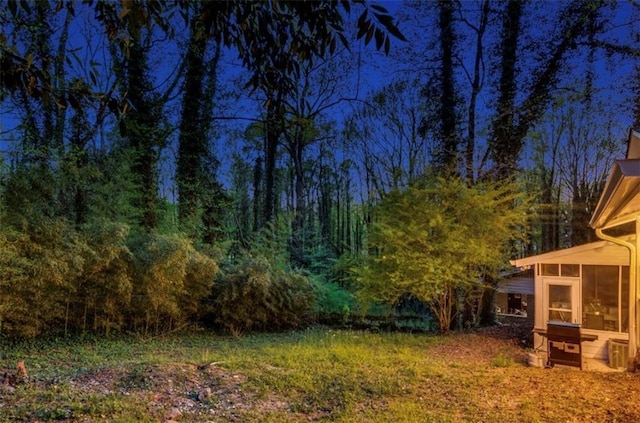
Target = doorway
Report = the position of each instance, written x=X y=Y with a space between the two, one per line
x=561 y=300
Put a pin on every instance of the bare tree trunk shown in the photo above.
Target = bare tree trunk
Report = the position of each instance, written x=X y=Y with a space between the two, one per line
x=476 y=85
x=504 y=149
x=447 y=156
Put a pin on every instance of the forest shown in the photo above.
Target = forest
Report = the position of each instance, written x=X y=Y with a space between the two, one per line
x=259 y=166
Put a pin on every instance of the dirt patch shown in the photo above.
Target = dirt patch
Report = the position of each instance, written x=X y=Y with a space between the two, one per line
x=180 y=391
x=484 y=346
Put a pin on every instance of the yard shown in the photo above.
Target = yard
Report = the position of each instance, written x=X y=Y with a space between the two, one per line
x=315 y=375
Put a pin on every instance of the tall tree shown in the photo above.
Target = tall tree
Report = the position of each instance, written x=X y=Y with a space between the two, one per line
x=514 y=119
x=142 y=128
x=504 y=150
x=196 y=167
x=446 y=157
x=273 y=49
x=476 y=85
x=384 y=138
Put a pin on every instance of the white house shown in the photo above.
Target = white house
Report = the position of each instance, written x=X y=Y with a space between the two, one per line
x=587 y=297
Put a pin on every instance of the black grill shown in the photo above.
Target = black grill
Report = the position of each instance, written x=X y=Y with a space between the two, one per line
x=564 y=341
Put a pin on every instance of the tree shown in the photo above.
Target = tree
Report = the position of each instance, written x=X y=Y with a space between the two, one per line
x=195 y=126
x=447 y=154
x=476 y=86
x=439 y=240
x=568 y=181
x=143 y=124
x=514 y=119
x=275 y=51
x=383 y=138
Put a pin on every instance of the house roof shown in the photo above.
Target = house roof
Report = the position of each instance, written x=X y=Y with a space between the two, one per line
x=517 y=285
x=592 y=253
x=620 y=199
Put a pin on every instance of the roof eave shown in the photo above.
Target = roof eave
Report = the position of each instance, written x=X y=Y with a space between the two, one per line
x=622 y=186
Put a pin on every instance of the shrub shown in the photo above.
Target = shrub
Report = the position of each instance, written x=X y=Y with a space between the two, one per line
x=333 y=303
x=105 y=286
x=38 y=268
x=171 y=278
x=56 y=278
x=251 y=295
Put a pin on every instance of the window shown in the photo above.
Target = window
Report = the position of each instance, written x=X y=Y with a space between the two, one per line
x=550 y=269
x=567 y=270
x=605 y=297
x=570 y=270
x=511 y=304
x=560 y=308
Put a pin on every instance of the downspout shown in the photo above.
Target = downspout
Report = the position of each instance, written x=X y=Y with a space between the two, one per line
x=633 y=282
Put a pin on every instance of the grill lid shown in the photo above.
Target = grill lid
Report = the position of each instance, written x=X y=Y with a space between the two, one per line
x=571 y=330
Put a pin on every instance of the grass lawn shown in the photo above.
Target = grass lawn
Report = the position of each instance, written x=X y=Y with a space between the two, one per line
x=316 y=375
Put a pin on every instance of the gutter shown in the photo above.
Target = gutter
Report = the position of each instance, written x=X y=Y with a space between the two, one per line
x=633 y=297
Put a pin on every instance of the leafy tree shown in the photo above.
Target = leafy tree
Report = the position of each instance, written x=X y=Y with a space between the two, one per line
x=142 y=126
x=439 y=240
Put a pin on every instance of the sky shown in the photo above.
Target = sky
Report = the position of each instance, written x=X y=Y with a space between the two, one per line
x=372 y=70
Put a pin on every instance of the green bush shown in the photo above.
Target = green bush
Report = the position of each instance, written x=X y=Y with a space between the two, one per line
x=105 y=286
x=251 y=295
x=171 y=278
x=55 y=279
x=333 y=302
x=38 y=268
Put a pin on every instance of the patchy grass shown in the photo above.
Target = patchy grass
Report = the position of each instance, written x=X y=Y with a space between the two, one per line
x=318 y=375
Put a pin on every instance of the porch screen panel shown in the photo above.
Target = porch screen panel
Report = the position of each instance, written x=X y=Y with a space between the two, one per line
x=601 y=297
x=624 y=295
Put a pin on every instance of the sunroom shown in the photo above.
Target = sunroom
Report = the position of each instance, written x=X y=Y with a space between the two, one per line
x=586 y=287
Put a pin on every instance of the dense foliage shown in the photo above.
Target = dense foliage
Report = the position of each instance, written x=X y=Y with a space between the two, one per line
x=57 y=279
x=440 y=241
x=145 y=143
x=252 y=295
